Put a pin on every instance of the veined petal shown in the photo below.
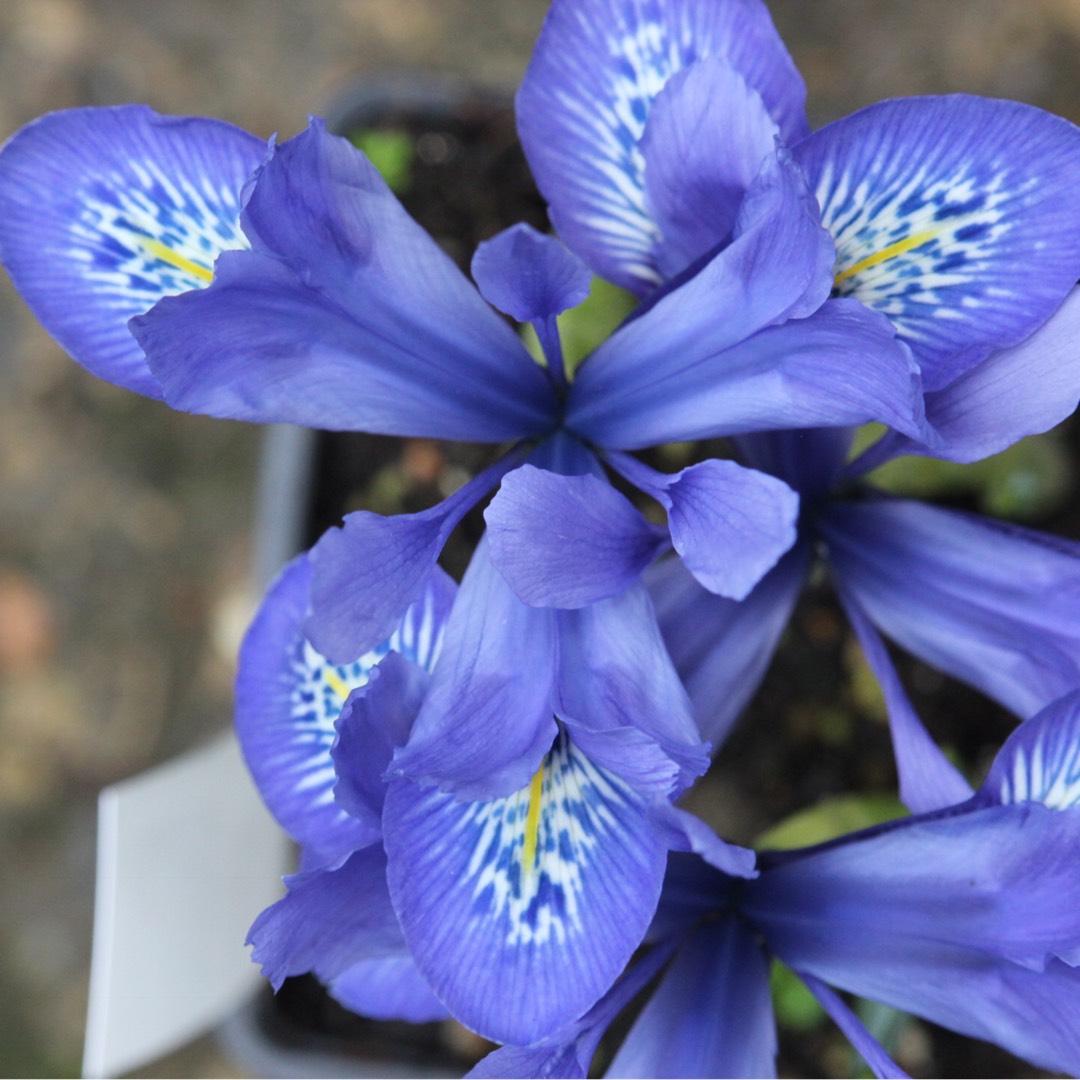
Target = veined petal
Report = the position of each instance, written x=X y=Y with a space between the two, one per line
x=712 y=1013
x=586 y=97
x=989 y=603
x=706 y=137
x=522 y=910
x=957 y=917
x=615 y=673
x=720 y=647
x=951 y=215
x=345 y=315
x=1040 y=761
x=567 y=541
x=103 y=211
x=1013 y=393
x=729 y=524
x=368 y=571
x=289 y=696
x=488 y=716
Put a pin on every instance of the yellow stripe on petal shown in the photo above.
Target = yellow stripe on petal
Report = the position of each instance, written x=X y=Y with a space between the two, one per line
x=532 y=819
x=336 y=682
x=909 y=243
x=174 y=258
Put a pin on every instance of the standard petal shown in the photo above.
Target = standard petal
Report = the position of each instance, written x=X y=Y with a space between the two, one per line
x=288 y=697
x=368 y=571
x=105 y=211
x=989 y=603
x=488 y=716
x=729 y=524
x=521 y=911
x=567 y=541
x=615 y=674
x=928 y=780
x=345 y=315
x=721 y=648
x=328 y=921
x=705 y=140
x=953 y=216
x=711 y=1015
x=586 y=97
x=956 y=917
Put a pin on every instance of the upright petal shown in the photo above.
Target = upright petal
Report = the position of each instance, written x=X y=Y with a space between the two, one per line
x=522 y=910
x=488 y=716
x=729 y=524
x=586 y=97
x=105 y=211
x=289 y=696
x=345 y=315
x=953 y=216
x=721 y=648
x=705 y=139
x=989 y=603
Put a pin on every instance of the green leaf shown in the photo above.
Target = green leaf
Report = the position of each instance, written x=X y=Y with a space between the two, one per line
x=391 y=152
x=830 y=818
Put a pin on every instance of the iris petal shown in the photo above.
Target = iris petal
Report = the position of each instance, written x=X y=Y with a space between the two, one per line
x=105 y=211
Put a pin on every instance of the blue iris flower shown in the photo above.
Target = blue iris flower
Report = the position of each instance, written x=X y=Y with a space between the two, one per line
x=185 y=260
x=964 y=915
x=954 y=217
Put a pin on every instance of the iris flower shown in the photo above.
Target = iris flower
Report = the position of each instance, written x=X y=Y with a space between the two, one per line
x=183 y=259
x=954 y=217
x=964 y=915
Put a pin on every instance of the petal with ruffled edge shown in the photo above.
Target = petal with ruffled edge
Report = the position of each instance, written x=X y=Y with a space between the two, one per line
x=368 y=571
x=522 y=910
x=721 y=648
x=729 y=524
x=712 y=1013
x=705 y=139
x=289 y=696
x=488 y=716
x=990 y=603
x=567 y=541
x=105 y=211
x=586 y=97
x=953 y=216
x=345 y=315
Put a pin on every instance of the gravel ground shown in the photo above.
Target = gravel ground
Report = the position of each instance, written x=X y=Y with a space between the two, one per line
x=125 y=538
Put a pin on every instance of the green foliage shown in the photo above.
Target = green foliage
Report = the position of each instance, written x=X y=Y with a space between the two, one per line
x=830 y=818
x=796 y=1008
x=391 y=152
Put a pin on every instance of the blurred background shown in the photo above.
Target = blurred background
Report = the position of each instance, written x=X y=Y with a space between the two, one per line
x=125 y=529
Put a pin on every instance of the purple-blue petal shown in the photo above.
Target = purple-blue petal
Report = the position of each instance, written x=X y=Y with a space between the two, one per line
x=729 y=524
x=706 y=137
x=388 y=988
x=990 y=603
x=586 y=98
x=522 y=910
x=289 y=697
x=103 y=211
x=345 y=315
x=721 y=648
x=953 y=216
x=567 y=541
